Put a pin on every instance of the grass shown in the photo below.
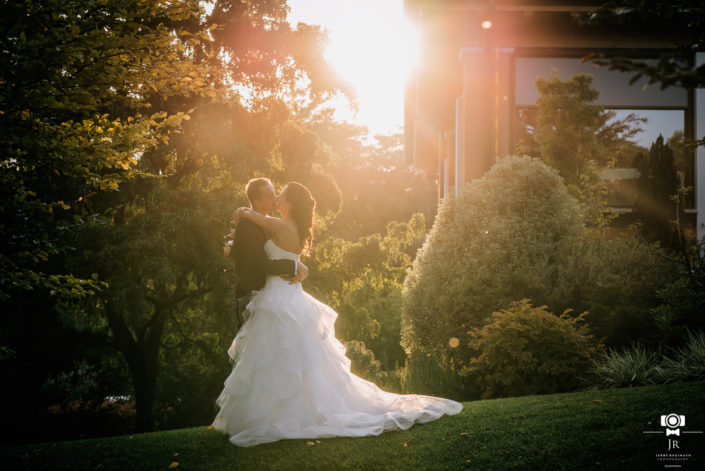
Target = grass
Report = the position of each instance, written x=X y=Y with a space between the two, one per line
x=577 y=431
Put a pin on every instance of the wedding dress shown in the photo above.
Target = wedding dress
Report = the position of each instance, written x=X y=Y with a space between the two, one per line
x=291 y=378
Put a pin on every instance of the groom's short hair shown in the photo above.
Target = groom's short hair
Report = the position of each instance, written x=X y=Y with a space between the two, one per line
x=253 y=189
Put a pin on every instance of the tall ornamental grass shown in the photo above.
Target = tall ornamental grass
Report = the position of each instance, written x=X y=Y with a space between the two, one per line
x=638 y=366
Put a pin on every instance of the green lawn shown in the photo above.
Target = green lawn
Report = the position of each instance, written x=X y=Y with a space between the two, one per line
x=579 y=431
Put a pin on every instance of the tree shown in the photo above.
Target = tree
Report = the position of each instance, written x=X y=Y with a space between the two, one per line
x=116 y=193
x=376 y=184
x=78 y=79
x=572 y=131
x=496 y=243
x=82 y=106
x=362 y=280
x=567 y=124
x=176 y=220
x=658 y=185
x=682 y=21
x=579 y=138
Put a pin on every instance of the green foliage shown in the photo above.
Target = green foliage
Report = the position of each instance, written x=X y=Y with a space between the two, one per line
x=193 y=367
x=434 y=374
x=683 y=297
x=658 y=185
x=377 y=184
x=495 y=244
x=634 y=366
x=593 y=195
x=687 y=363
x=637 y=366
x=528 y=350
x=617 y=281
x=362 y=281
x=87 y=419
x=580 y=138
x=673 y=67
x=80 y=81
x=365 y=365
x=567 y=124
x=516 y=234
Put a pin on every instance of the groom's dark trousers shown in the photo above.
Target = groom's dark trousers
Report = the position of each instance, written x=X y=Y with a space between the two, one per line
x=251 y=262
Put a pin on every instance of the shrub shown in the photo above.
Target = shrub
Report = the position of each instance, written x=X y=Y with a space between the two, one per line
x=682 y=305
x=369 y=311
x=528 y=350
x=634 y=366
x=87 y=419
x=362 y=281
x=637 y=366
x=364 y=364
x=435 y=375
x=496 y=243
x=687 y=363
x=617 y=281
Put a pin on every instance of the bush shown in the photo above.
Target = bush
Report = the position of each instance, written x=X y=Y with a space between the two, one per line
x=495 y=244
x=636 y=366
x=369 y=311
x=435 y=375
x=362 y=281
x=687 y=363
x=683 y=298
x=631 y=367
x=364 y=364
x=86 y=419
x=528 y=350
x=617 y=281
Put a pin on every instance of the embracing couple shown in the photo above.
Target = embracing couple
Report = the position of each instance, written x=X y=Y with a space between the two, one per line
x=291 y=378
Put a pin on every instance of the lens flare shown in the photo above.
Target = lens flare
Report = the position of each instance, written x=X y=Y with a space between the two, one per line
x=375 y=59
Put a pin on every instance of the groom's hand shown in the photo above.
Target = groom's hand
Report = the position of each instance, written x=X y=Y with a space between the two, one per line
x=301 y=274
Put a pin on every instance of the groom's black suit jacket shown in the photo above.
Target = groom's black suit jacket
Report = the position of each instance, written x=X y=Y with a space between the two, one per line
x=251 y=262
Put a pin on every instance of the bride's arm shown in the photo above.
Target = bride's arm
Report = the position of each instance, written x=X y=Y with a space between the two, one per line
x=266 y=222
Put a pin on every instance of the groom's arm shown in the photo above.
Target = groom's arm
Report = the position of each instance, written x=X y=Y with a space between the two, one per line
x=251 y=255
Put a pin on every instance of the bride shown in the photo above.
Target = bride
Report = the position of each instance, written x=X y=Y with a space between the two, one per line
x=291 y=378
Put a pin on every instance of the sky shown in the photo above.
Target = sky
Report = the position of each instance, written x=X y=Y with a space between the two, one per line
x=663 y=122
x=373 y=47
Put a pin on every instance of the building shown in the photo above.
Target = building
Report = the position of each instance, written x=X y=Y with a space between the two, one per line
x=475 y=83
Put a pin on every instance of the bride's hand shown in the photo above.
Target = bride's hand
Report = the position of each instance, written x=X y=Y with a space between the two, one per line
x=239 y=212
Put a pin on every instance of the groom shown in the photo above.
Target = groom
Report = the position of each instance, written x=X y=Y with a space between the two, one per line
x=251 y=262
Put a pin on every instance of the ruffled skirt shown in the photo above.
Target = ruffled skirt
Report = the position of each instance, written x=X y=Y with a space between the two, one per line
x=291 y=378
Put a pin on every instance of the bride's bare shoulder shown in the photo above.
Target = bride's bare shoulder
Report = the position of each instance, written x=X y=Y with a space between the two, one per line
x=288 y=237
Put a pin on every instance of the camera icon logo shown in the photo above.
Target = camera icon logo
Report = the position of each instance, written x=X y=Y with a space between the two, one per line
x=673 y=422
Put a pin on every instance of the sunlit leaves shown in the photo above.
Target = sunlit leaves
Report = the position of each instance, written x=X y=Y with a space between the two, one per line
x=685 y=19
x=78 y=80
x=266 y=57
x=528 y=350
x=497 y=242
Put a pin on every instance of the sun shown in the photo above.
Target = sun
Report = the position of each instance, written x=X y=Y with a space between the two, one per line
x=373 y=46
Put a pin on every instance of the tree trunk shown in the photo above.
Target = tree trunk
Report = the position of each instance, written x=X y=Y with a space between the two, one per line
x=143 y=370
x=142 y=356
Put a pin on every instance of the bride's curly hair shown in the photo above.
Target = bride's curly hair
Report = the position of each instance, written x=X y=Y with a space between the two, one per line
x=303 y=212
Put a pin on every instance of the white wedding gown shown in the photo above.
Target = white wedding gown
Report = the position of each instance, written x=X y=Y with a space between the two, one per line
x=291 y=378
